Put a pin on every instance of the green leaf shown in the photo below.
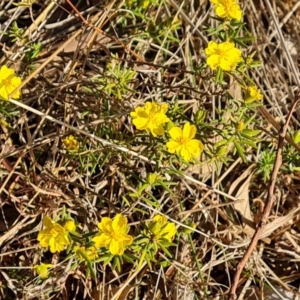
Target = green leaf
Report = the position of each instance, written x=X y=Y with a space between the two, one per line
x=142 y=258
x=117 y=262
x=165 y=250
x=249 y=142
x=80 y=254
x=250 y=132
x=220 y=143
x=240 y=150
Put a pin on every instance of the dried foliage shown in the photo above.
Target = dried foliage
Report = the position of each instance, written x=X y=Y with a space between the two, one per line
x=71 y=65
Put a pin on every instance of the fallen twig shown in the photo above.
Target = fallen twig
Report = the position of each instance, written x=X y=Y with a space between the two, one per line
x=268 y=206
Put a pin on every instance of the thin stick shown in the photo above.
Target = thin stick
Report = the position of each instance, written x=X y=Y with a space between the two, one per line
x=268 y=206
x=278 y=162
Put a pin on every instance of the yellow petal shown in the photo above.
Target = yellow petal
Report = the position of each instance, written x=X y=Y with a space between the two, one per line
x=119 y=224
x=126 y=239
x=91 y=253
x=140 y=123
x=175 y=133
x=227 y=65
x=162 y=220
x=211 y=48
x=70 y=225
x=15 y=82
x=42 y=270
x=133 y=114
x=47 y=222
x=226 y=46
x=157 y=130
x=186 y=154
x=189 y=131
x=154 y=227
x=6 y=72
x=116 y=248
x=105 y=225
x=221 y=12
x=173 y=146
x=160 y=118
x=102 y=240
x=139 y=112
x=235 y=55
x=236 y=12
x=213 y=61
x=168 y=231
x=164 y=107
x=195 y=147
x=54 y=246
x=44 y=237
x=3 y=93
x=150 y=107
x=59 y=242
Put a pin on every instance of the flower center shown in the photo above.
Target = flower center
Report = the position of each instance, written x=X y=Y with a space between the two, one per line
x=7 y=82
x=183 y=141
x=221 y=53
x=151 y=115
x=114 y=235
x=53 y=232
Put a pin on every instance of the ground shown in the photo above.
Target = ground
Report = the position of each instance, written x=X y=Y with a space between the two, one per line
x=171 y=213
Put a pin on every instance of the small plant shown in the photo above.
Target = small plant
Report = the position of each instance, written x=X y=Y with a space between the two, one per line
x=116 y=81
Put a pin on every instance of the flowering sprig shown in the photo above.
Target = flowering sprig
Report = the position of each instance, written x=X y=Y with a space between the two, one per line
x=86 y=253
x=253 y=93
x=161 y=229
x=157 y=235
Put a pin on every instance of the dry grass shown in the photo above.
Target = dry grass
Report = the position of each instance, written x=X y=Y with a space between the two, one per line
x=59 y=98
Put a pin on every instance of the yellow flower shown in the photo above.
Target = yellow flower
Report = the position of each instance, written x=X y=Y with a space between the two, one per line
x=70 y=225
x=53 y=236
x=240 y=125
x=71 y=143
x=90 y=252
x=152 y=178
x=42 y=270
x=150 y=117
x=183 y=143
x=253 y=93
x=8 y=83
x=161 y=228
x=229 y=9
x=296 y=137
x=223 y=55
x=113 y=235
